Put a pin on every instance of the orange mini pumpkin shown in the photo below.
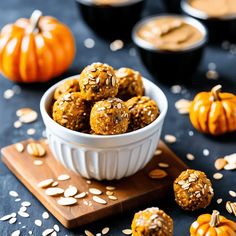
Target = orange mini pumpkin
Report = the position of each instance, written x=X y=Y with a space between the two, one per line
x=214 y=112
x=35 y=49
x=213 y=225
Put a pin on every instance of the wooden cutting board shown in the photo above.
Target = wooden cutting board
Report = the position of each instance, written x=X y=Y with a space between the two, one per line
x=131 y=192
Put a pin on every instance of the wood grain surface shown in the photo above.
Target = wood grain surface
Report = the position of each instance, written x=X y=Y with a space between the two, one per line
x=131 y=192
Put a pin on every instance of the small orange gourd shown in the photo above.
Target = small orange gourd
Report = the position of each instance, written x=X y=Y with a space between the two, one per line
x=35 y=49
x=213 y=225
x=214 y=112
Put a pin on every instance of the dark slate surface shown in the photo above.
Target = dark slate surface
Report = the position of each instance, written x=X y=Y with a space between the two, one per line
x=175 y=124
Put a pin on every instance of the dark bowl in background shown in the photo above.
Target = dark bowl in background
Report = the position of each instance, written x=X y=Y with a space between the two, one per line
x=171 y=67
x=172 y=5
x=219 y=28
x=111 y=21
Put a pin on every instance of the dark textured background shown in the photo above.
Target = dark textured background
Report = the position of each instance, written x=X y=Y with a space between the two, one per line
x=175 y=124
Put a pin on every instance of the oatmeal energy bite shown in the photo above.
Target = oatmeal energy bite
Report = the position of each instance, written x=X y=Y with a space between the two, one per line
x=109 y=117
x=143 y=111
x=130 y=83
x=98 y=81
x=193 y=190
x=69 y=86
x=152 y=222
x=71 y=111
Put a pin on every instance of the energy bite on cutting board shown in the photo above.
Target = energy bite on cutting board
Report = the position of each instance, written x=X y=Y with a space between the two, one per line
x=98 y=81
x=130 y=83
x=110 y=116
x=71 y=111
x=143 y=111
x=152 y=221
x=193 y=190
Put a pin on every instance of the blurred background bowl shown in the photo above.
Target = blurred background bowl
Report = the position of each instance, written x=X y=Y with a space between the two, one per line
x=171 y=67
x=111 y=21
x=219 y=28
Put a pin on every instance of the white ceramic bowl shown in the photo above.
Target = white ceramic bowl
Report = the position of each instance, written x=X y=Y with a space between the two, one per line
x=104 y=157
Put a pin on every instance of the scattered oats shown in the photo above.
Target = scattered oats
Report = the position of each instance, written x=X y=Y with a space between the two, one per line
x=190 y=133
x=12 y=220
x=23 y=214
x=23 y=227
x=110 y=188
x=38 y=162
x=89 y=43
x=70 y=191
x=88 y=233
x=17 y=124
x=36 y=149
x=54 y=184
x=170 y=138
x=218 y=176
x=31 y=131
x=206 y=152
x=45 y=183
x=98 y=234
x=26 y=204
x=66 y=201
x=54 y=191
x=132 y=52
x=163 y=165
x=212 y=75
x=105 y=230
x=220 y=163
x=30 y=232
x=176 y=89
x=183 y=104
x=232 y=193
x=63 y=177
x=23 y=209
x=38 y=223
x=99 y=200
x=219 y=200
x=231 y=207
x=47 y=232
x=19 y=147
x=158 y=152
x=230 y=167
x=157 y=174
x=16 y=233
x=190 y=157
x=95 y=191
x=109 y=193
x=53 y=233
x=13 y=194
x=7 y=217
x=127 y=231
x=9 y=93
x=116 y=45
x=18 y=199
x=27 y=115
x=45 y=215
x=88 y=181
x=80 y=195
x=111 y=197
x=56 y=228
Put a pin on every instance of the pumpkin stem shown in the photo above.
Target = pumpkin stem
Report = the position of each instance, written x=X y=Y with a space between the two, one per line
x=215 y=219
x=216 y=92
x=34 y=21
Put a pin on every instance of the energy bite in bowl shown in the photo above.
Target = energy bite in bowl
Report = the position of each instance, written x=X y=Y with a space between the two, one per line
x=109 y=116
x=98 y=81
x=71 y=111
x=193 y=190
x=69 y=86
x=130 y=83
x=152 y=221
x=143 y=111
